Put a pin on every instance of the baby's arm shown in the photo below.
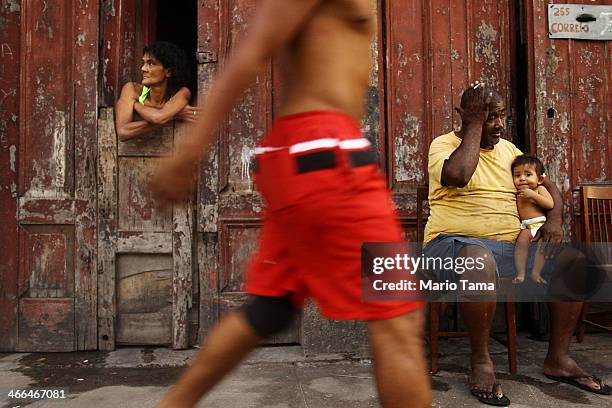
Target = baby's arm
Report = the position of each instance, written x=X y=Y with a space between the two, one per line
x=543 y=198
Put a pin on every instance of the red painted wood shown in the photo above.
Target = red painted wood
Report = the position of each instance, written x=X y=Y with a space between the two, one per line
x=123 y=38
x=10 y=65
x=569 y=116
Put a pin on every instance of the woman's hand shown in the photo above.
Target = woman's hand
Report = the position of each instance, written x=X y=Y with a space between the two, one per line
x=188 y=114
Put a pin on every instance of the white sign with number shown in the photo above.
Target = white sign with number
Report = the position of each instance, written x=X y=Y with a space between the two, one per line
x=580 y=21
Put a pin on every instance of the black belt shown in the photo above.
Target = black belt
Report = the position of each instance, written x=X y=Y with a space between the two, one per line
x=326 y=159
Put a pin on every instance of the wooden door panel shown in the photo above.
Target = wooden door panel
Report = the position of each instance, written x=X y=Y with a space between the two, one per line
x=239 y=241
x=55 y=160
x=570 y=87
x=47 y=261
x=137 y=209
x=146 y=289
x=46 y=325
x=144 y=299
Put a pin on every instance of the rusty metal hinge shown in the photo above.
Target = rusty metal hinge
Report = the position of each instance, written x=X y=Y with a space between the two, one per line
x=206 y=57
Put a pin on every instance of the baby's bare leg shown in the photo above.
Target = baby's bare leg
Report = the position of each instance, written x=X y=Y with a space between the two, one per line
x=521 y=251
x=538 y=265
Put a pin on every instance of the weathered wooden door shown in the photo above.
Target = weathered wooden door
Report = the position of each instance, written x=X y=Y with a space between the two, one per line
x=49 y=60
x=145 y=277
x=435 y=49
x=570 y=84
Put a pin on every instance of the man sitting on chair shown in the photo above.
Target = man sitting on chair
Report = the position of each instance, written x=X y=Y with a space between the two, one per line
x=473 y=214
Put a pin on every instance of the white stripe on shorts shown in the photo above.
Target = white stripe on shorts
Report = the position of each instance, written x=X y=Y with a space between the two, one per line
x=325 y=143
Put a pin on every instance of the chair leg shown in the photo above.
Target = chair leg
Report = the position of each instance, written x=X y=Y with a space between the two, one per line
x=510 y=308
x=434 y=326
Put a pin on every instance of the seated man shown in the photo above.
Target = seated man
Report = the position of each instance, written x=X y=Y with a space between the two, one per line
x=473 y=214
x=161 y=96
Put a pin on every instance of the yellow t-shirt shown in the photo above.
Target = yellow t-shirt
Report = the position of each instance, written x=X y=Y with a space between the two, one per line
x=486 y=207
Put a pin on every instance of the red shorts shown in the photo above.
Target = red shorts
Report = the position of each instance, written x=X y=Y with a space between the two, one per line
x=325 y=197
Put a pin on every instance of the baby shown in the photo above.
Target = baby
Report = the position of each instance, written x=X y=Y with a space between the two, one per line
x=532 y=201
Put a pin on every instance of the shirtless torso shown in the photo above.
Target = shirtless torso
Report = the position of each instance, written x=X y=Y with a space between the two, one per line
x=328 y=63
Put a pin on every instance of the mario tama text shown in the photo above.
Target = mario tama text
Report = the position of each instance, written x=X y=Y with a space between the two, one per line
x=422 y=285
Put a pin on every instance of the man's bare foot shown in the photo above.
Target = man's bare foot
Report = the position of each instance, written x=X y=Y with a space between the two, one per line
x=567 y=367
x=482 y=379
x=518 y=279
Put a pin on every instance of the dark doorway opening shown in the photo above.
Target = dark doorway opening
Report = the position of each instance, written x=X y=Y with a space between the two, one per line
x=177 y=22
x=520 y=77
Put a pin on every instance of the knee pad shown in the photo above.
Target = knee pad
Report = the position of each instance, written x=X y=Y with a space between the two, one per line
x=269 y=315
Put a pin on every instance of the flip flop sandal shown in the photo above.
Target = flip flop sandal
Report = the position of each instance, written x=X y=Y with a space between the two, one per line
x=502 y=401
x=571 y=380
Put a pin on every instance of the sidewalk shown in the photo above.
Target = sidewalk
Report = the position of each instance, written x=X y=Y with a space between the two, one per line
x=276 y=377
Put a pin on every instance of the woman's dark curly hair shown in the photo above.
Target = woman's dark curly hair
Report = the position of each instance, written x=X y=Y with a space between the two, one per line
x=174 y=59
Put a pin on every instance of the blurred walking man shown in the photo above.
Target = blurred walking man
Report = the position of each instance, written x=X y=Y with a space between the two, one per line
x=323 y=192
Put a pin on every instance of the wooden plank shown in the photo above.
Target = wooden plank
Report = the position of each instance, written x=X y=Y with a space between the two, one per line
x=407 y=120
x=85 y=57
x=46 y=211
x=440 y=61
x=251 y=117
x=145 y=328
x=144 y=296
x=208 y=178
x=182 y=244
x=10 y=66
x=46 y=165
x=107 y=228
x=144 y=242
x=208 y=266
x=373 y=124
x=158 y=142
x=46 y=325
x=122 y=47
x=183 y=274
x=137 y=209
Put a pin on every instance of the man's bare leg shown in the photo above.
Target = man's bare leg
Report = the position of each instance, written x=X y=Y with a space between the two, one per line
x=399 y=364
x=226 y=346
x=564 y=316
x=571 y=264
x=478 y=318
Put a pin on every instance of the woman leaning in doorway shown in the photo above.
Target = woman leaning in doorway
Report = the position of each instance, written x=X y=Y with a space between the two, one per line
x=161 y=96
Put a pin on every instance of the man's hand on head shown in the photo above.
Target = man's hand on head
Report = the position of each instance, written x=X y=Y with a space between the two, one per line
x=476 y=109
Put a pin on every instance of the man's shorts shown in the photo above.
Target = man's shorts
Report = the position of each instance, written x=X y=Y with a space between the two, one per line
x=450 y=246
x=325 y=197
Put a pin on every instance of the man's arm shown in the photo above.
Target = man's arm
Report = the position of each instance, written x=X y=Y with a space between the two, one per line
x=126 y=127
x=459 y=168
x=552 y=230
x=167 y=112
